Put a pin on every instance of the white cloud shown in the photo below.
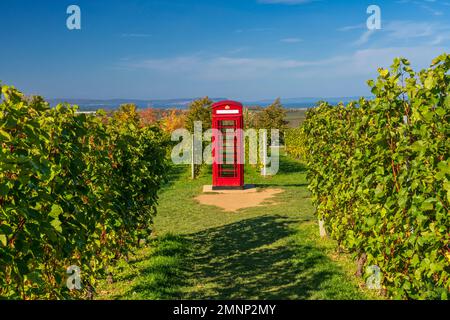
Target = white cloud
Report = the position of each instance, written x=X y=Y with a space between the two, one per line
x=291 y=40
x=224 y=67
x=432 y=10
x=338 y=75
x=427 y=5
x=364 y=38
x=403 y=33
x=238 y=50
x=366 y=62
x=352 y=27
x=359 y=63
x=428 y=33
x=411 y=29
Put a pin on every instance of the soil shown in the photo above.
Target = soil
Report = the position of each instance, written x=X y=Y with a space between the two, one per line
x=236 y=200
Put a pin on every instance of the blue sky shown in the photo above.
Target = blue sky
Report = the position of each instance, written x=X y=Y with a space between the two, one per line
x=240 y=49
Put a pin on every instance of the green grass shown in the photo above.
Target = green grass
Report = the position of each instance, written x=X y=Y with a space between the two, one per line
x=270 y=252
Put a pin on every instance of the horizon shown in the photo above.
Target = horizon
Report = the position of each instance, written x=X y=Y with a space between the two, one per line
x=183 y=103
x=263 y=49
x=199 y=97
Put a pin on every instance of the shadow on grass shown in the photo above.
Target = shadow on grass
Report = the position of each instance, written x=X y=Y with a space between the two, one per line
x=289 y=165
x=160 y=273
x=244 y=261
x=259 y=258
x=175 y=172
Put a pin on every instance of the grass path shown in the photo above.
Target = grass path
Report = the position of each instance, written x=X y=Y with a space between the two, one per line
x=202 y=252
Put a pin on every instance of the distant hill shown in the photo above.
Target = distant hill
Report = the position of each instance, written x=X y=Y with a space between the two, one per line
x=307 y=102
x=112 y=104
x=183 y=103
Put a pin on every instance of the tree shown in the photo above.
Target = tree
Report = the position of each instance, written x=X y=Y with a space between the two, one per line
x=273 y=117
x=199 y=110
x=127 y=113
x=172 y=121
x=249 y=119
x=36 y=102
x=148 y=116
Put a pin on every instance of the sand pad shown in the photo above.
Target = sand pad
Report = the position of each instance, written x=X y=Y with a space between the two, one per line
x=236 y=200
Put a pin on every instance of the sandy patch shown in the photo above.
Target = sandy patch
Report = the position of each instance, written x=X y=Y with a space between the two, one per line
x=236 y=200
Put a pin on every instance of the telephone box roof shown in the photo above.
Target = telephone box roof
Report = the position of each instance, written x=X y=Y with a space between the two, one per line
x=226 y=102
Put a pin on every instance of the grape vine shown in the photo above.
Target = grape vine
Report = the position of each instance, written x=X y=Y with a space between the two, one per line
x=379 y=172
x=74 y=190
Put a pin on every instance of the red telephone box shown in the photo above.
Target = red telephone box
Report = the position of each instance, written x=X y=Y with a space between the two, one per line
x=228 y=148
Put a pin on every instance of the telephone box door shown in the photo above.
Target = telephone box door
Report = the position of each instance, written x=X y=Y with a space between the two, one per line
x=228 y=168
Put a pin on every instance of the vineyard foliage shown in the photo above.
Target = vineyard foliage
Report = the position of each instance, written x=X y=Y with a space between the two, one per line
x=380 y=177
x=294 y=140
x=75 y=190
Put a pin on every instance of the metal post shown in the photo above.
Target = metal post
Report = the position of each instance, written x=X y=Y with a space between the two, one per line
x=265 y=154
x=192 y=158
x=322 y=230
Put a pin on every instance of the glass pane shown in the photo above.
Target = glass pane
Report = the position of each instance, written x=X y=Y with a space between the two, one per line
x=227 y=171
x=228 y=148
x=227 y=175
x=227 y=167
x=227 y=123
